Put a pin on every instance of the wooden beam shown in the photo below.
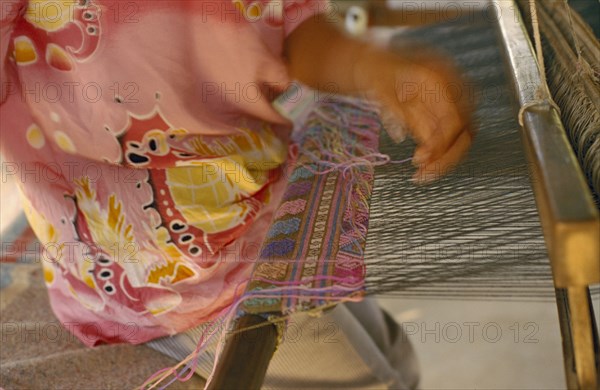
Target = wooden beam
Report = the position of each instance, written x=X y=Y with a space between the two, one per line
x=568 y=214
x=245 y=358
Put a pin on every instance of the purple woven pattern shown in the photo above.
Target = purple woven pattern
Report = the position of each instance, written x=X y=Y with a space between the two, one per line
x=313 y=253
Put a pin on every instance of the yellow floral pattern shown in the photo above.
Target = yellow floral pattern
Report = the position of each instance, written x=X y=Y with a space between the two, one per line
x=50 y=15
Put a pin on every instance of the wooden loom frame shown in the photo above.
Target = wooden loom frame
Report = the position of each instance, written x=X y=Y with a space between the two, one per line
x=569 y=219
x=568 y=214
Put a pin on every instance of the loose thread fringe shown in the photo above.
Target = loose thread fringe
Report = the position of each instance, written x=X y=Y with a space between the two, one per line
x=288 y=289
x=331 y=143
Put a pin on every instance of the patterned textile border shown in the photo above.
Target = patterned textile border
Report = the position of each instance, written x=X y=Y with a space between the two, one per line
x=313 y=252
x=319 y=230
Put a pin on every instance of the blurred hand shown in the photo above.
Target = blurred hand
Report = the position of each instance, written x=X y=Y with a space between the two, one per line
x=422 y=90
x=429 y=98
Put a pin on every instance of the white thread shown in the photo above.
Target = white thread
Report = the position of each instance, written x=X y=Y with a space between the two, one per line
x=534 y=103
x=538 y=39
x=582 y=64
x=542 y=95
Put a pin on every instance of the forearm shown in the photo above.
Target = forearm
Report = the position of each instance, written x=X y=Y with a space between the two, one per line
x=320 y=55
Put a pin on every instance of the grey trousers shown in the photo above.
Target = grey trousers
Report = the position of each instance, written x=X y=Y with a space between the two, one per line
x=353 y=346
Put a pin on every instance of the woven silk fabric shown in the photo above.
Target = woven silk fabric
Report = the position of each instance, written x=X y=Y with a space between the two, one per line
x=315 y=245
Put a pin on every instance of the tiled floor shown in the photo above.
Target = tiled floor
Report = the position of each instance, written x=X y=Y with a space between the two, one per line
x=483 y=344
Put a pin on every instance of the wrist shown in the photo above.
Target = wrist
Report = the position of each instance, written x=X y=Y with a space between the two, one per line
x=374 y=67
x=362 y=70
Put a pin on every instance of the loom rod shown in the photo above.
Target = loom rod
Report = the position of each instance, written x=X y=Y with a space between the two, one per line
x=246 y=355
x=567 y=212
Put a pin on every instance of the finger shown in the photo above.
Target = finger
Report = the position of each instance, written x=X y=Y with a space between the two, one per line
x=408 y=101
x=450 y=127
x=434 y=170
x=417 y=120
x=435 y=120
x=393 y=125
x=421 y=125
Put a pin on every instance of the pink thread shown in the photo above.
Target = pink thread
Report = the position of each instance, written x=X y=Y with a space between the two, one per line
x=291 y=207
x=229 y=314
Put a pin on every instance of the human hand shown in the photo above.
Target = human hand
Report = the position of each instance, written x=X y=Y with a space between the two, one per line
x=425 y=93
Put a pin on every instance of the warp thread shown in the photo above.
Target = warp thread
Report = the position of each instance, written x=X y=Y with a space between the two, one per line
x=583 y=66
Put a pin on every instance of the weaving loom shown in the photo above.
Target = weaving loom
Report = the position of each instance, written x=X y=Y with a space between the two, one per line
x=490 y=229
x=478 y=232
